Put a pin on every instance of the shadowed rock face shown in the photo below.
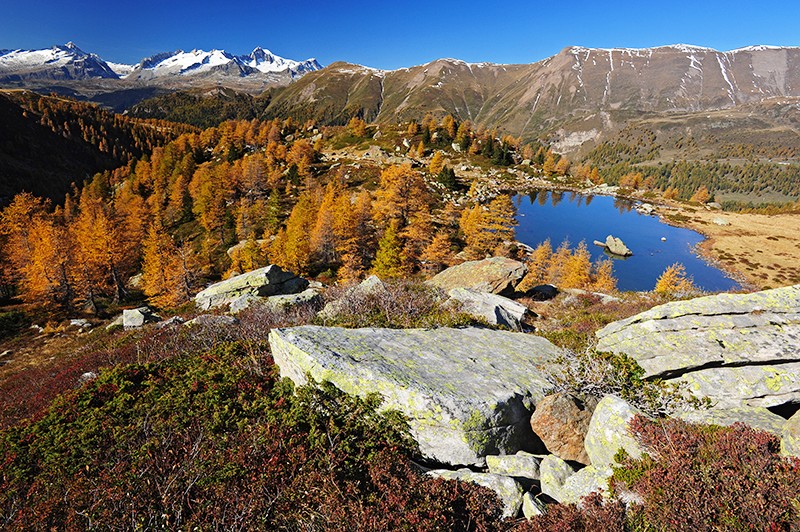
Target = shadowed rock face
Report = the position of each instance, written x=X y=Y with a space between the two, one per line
x=465 y=392
x=737 y=349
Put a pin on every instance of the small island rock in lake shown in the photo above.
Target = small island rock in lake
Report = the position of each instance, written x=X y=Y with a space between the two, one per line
x=615 y=246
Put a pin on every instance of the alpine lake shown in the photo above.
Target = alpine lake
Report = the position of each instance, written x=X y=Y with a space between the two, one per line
x=655 y=245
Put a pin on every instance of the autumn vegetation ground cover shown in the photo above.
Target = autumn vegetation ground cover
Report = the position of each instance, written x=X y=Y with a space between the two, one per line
x=181 y=428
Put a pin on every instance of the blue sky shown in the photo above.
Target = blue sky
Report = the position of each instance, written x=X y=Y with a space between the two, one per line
x=393 y=34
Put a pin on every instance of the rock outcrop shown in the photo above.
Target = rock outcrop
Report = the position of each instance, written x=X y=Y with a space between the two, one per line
x=466 y=393
x=136 y=317
x=495 y=309
x=608 y=431
x=790 y=436
x=737 y=349
x=263 y=282
x=756 y=417
x=496 y=275
x=615 y=246
x=561 y=422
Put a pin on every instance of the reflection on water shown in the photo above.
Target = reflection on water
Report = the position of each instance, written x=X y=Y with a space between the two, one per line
x=569 y=215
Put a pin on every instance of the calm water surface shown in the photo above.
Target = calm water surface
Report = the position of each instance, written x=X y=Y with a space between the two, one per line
x=560 y=215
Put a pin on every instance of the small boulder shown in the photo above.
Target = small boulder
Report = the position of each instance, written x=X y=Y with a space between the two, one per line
x=116 y=323
x=608 y=431
x=507 y=489
x=790 y=436
x=263 y=282
x=521 y=465
x=495 y=309
x=588 y=480
x=80 y=323
x=137 y=317
x=615 y=246
x=561 y=421
x=553 y=474
x=496 y=275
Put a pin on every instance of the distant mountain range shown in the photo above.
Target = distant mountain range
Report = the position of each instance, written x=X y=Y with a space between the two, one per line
x=576 y=98
x=70 y=63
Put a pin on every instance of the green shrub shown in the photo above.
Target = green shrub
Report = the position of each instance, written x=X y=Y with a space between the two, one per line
x=597 y=374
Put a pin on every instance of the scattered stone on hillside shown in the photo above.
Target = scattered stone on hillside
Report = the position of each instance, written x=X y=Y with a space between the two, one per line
x=521 y=465
x=608 y=431
x=211 y=320
x=532 y=506
x=430 y=376
x=561 y=422
x=615 y=246
x=174 y=320
x=553 y=474
x=720 y=221
x=372 y=285
x=737 y=349
x=507 y=489
x=790 y=436
x=263 y=282
x=753 y=416
x=86 y=377
x=80 y=323
x=496 y=275
x=495 y=309
x=137 y=317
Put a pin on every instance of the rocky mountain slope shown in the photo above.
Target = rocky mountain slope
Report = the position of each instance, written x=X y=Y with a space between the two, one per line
x=586 y=90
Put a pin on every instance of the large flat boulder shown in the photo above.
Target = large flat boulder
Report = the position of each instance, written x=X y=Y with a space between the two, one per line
x=466 y=393
x=263 y=282
x=496 y=275
x=495 y=309
x=737 y=349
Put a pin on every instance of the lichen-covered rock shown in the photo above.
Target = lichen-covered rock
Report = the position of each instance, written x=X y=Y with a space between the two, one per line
x=757 y=417
x=263 y=282
x=561 y=421
x=531 y=506
x=608 y=431
x=720 y=330
x=737 y=349
x=136 y=317
x=521 y=464
x=465 y=392
x=616 y=246
x=553 y=474
x=309 y=296
x=496 y=275
x=790 y=436
x=495 y=309
x=507 y=489
x=757 y=385
x=588 y=480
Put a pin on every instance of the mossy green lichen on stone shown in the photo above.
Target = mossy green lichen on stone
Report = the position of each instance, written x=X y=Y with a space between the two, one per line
x=609 y=432
x=466 y=392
